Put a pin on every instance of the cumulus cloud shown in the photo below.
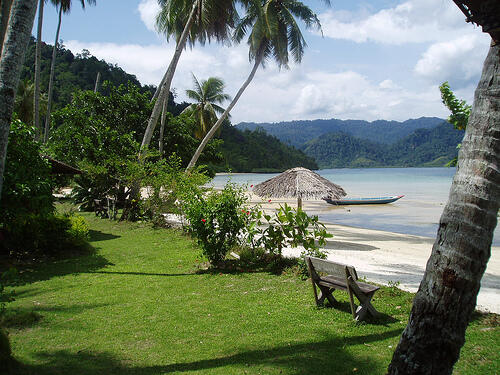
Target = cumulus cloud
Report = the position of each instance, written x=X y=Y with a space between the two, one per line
x=458 y=60
x=148 y=9
x=413 y=21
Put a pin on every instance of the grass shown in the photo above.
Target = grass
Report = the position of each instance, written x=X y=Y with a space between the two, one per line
x=140 y=305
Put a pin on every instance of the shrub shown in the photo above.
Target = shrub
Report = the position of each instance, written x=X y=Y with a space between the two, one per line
x=217 y=219
x=27 y=186
x=38 y=236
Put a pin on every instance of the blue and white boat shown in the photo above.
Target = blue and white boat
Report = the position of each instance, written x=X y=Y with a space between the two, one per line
x=375 y=200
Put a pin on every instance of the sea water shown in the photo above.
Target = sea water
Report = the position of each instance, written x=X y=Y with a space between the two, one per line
x=425 y=193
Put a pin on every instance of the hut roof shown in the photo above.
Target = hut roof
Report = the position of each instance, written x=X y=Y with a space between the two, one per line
x=299 y=183
x=58 y=167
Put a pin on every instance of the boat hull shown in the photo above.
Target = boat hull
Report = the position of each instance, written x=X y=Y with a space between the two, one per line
x=358 y=201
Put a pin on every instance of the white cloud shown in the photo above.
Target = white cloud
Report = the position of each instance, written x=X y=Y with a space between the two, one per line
x=413 y=21
x=148 y=9
x=458 y=60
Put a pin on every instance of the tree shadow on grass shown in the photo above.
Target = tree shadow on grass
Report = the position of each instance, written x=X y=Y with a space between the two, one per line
x=86 y=261
x=96 y=235
x=329 y=356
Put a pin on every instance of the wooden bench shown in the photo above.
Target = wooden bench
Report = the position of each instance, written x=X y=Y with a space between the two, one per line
x=343 y=277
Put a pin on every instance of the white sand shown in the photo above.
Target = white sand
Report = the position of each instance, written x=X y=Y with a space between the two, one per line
x=384 y=257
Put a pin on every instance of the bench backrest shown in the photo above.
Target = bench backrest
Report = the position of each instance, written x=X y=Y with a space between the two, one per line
x=331 y=268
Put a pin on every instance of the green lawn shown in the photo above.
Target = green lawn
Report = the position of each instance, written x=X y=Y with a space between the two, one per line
x=139 y=305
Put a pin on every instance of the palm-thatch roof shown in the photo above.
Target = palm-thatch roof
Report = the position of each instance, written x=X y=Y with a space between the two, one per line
x=58 y=167
x=299 y=183
x=485 y=13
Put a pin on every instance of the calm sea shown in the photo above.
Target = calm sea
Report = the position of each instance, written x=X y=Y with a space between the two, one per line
x=426 y=192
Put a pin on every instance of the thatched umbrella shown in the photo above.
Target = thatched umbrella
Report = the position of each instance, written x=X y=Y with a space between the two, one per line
x=301 y=183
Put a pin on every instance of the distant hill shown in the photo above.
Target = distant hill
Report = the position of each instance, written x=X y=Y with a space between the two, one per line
x=297 y=133
x=424 y=147
x=257 y=151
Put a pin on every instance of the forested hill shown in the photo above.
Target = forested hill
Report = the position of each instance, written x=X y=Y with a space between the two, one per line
x=257 y=151
x=297 y=133
x=424 y=147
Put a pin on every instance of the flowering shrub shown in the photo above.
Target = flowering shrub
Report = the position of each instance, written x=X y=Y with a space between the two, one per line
x=288 y=227
x=217 y=219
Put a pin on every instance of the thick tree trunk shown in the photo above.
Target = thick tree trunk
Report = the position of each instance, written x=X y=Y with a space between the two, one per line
x=165 y=87
x=51 y=79
x=5 y=6
x=162 y=126
x=443 y=305
x=213 y=130
x=11 y=62
x=38 y=59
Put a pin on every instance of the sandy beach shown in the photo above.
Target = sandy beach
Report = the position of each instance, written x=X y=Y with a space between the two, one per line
x=384 y=257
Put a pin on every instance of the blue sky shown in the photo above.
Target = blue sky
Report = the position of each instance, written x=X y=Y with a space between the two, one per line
x=382 y=59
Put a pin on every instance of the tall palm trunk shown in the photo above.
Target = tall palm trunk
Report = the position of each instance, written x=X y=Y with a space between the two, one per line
x=443 y=305
x=18 y=33
x=162 y=126
x=51 y=79
x=167 y=81
x=38 y=60
x=5 y=7
x=213 y=130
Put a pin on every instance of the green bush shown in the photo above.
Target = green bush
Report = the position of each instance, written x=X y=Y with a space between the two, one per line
x=38 y=236
x=217 y=219
x=27 y=185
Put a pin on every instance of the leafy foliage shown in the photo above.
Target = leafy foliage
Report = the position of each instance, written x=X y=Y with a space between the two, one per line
x=216 y=219
x=27 y=186
x=460 y=110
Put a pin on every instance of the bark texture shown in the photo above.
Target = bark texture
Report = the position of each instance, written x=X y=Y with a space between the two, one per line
x=213 y=130
x=11 y=62
x=5 y=6
x=38 y=59
x=443 y=305
x=51 y=78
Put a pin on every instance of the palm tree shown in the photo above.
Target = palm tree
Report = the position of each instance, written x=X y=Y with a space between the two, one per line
x=207 y=95
x=22 y=16
x=23 y=105
x=5 y=6
x=275 y=33
x=188 y=20
x=38 y=61
x=445 y=301
x=64 y=7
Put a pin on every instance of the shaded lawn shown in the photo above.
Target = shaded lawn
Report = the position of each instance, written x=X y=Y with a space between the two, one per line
x=139 y=306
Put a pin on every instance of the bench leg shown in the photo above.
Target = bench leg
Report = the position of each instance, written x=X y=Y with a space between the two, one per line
x=326 y=292
x=365 y=306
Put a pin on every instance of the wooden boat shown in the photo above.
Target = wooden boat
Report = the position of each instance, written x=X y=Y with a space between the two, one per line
x=376 y=200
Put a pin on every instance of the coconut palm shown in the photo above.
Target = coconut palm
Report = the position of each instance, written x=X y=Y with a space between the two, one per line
x=446 y=298
x=23 y=105
x=193 y=21
x=5 y=6
x=207 y=94
x=22 y=15
x=274 y=33
x=64 y=7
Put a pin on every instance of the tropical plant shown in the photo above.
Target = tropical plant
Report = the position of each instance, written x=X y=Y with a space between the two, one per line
x=217 y=219
x=460 y=112
x=23 y=105
x=193 y=20
x=274 y=33
x=445 y=301
x=207 y=94
x=64 y=7
x=22 y=15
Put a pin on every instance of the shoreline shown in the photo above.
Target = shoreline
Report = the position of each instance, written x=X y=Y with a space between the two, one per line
x=386 y=257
